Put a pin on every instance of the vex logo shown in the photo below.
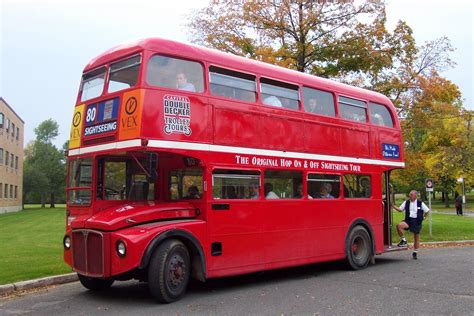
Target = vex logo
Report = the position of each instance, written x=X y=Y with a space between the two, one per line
x=177 y=115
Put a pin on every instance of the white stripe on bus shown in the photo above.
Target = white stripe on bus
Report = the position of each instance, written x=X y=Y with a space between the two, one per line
x=231 y=150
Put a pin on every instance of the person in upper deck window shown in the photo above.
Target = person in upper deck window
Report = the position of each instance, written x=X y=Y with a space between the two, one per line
x=325 y=191
x=415 y=212
x=183 y=84
x=272 y=100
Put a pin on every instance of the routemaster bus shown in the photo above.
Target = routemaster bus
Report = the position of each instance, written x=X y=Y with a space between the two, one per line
x=186 y=162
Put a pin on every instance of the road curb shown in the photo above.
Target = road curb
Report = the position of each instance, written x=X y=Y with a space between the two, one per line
x=8 y=289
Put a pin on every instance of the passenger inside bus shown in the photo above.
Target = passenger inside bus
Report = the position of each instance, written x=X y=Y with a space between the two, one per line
x=272 y=100
x=231 y=194
x=183 y=84
x=193 y=193
x=325 y=191
x=253 y=191
x=269 y=194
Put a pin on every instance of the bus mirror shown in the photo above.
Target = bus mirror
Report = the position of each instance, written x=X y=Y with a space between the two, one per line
x=152 y=164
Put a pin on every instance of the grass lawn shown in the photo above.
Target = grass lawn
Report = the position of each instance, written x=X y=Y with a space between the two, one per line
x=31 y=244
x=445 y=227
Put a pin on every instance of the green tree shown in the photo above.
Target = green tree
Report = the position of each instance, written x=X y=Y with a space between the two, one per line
x=298 y=34
x=44 y=166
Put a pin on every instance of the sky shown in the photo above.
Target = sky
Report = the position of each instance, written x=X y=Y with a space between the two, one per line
x=45 y=44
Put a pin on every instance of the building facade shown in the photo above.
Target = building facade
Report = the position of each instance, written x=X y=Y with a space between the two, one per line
x=11 y=159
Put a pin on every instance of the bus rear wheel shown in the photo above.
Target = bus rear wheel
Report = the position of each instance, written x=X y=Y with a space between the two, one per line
x=95 y=284
x=169 y=271
x=358 y=248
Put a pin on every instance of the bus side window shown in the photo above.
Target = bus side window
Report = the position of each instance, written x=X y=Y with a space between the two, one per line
x=235 y=184
x=358 y=186
x=185 y=184
x=174 y=73
x=318 y=102
x=280 y=94
x=324 y=186
x=232 y=84
x=379 y=115
x=282 y=184
x=351 y=109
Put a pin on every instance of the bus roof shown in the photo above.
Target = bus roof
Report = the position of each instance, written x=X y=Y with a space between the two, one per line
x=231 y=61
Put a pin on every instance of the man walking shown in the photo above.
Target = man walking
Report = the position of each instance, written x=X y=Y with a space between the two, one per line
x=415 y=212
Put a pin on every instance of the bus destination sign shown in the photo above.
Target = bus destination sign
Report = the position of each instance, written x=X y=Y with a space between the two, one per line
x=101 y=117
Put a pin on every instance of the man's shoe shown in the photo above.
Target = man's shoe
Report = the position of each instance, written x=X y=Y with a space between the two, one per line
x=414 y=255
x=402 y=243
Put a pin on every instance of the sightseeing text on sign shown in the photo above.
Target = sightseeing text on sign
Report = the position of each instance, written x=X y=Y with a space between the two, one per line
x=295 y=163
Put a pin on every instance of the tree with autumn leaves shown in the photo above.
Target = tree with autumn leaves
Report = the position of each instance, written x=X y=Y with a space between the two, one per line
x=348 y=41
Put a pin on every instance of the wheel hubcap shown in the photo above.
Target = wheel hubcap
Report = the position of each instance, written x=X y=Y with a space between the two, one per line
x=176 y=270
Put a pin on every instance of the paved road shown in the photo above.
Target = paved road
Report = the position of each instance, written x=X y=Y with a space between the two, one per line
x=441 y=282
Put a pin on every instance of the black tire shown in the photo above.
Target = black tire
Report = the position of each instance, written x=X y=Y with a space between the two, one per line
x=359 y=248
x=95 y=284
x=169 y=271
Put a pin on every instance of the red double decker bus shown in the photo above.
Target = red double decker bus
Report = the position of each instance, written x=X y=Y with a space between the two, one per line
x=189 y=162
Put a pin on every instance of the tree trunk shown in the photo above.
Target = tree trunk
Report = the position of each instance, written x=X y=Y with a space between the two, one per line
x=446 y=198
x=43 y=202
x=52 y=201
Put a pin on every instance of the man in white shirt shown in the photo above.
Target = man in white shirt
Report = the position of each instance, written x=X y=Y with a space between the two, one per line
x=415 y=212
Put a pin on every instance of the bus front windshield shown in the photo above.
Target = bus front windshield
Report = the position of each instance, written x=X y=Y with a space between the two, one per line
x=128 y=178
x=79 y=181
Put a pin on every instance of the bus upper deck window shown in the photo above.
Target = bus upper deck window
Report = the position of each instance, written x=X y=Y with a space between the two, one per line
x=124 y=74
x=318 y=102
x=92 y=84
x=279 y=94
x=352 y=109
x=232 y=84
x=174 y=73
x=379 y=115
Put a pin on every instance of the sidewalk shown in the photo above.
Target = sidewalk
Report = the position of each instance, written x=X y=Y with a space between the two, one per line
x=9 y=289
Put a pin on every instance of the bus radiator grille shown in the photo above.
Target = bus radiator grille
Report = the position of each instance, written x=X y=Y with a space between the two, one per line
x=88 y=253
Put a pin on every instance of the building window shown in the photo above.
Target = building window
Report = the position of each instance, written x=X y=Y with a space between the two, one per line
x=1 y=156
x=12 y=160
x=357 y=186
x=5 y=191
x=13 y=129
x=16 y=162
x=16 y=192
x=235 y=184
x=11 y=191
x=7 y=123
x=1 y=190
x=6 y=157
x=1 y=119
x=17 y=133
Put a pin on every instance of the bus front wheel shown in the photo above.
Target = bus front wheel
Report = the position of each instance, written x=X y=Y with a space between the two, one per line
x=95 y=284
x=358 y=248
x=169 y=270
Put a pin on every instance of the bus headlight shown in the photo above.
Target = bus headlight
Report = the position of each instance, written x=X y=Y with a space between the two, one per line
x=67 y=242
x=121 y=248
